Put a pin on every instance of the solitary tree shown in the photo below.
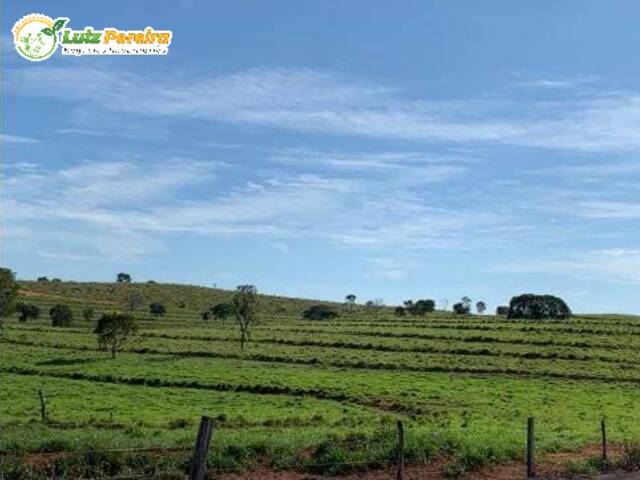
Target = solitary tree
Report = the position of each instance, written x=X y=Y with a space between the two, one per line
x=61 y=315
x=350 y=300
x=88 y=313
x=28 y=312
x=43 y=279
x=8 y=292
x=502 y=310
x=112 y=330
x=245 y=309
x=481 y=307
x=123 y=278
x=529 y=306
x=466 y=301
x=157 y=309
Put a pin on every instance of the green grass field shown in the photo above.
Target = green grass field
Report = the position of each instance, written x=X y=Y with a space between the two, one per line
x=317 y=396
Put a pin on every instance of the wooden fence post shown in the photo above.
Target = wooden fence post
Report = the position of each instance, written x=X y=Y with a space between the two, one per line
x=603 y=429
x=198 y=466
x=530 y=448
x=43 y=406
x=400 y=466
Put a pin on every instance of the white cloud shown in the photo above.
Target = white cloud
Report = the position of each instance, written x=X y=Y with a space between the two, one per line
x=7 y=138
x=97 y=199
x=306 y=100
x=609 y=209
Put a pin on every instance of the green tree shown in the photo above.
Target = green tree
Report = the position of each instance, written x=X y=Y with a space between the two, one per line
x=481 y=307
x=28 y=311
x=112 y=330
x=123 y=278
x=157 y=309
x=529 y=306
x=8 y=292
x=61 y=315
x=245 y=309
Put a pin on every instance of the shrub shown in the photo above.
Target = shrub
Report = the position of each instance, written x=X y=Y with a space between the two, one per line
x=219 y=312
x=461 y=308
x=88 y=313
x=61 y=315
x=502 y=310
x=319 y=312
x=400 y=311
x=157 y=309
x=535 y=307
x=28 y=311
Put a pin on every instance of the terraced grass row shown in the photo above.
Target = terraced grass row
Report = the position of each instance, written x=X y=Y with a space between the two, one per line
x=204 y=344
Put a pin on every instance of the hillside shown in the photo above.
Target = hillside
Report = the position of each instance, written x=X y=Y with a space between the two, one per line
x=185 y=301
x=319 y=397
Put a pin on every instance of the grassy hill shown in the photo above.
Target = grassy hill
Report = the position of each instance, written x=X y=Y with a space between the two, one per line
x=181 y=300
x=319 y=397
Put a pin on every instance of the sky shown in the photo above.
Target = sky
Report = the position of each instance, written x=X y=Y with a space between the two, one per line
x=393 y=150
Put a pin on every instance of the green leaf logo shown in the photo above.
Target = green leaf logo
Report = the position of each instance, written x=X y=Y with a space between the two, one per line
x=59 y=23
x=47 y=31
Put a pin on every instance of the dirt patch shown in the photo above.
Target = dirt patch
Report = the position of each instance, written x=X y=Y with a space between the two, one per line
x=34 y=293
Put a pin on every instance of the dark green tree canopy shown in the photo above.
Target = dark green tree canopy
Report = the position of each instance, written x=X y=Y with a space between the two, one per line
x=8 y=292
x=400 y=311
x=112 y=330
x=536 y=307
x=123 y=278
x=28 y=311
x=319 y=312
x=502 y=310
x=61 y=315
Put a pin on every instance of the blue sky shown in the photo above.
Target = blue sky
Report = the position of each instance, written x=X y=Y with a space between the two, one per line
x=412 y=149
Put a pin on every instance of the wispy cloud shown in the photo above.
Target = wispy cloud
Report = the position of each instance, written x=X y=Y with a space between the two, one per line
x=312 y=101
x=7 y=138
x=117 y=196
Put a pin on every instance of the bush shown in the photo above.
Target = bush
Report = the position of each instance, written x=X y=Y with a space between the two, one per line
x=157 y=309
x=320 y=312
x=502 y=310
x=61 y=315
x=28 y=311
x=536 y=307
x=219 y=312
x=421 y=307
x=88 y=313
x=461 y=308
x=400 y=311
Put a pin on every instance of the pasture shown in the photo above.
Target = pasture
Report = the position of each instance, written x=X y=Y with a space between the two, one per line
x=314 y=396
